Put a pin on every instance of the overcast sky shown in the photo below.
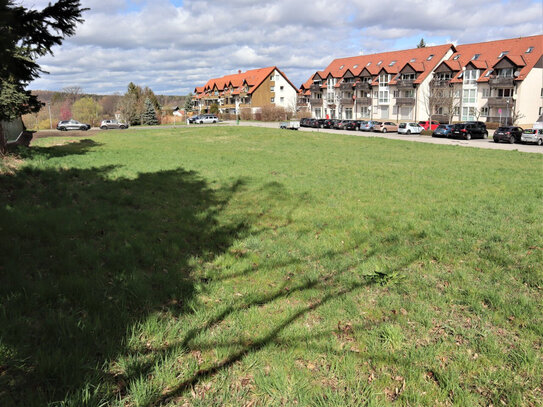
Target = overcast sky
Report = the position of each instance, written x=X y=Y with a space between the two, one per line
x=174 y=45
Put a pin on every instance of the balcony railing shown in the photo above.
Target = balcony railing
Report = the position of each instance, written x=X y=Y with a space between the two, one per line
x=363 y=86
x=364 y=101
x=440 y=83
x=315 y=88
x=346 y=86
x=315 y=101
x=346 y=101
x=503 y=120
x=500 y=102
x=405 y=101
x=405 y=84
x=501 y=82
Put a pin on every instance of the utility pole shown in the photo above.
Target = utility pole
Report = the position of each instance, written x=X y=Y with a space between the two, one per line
x=50 y=119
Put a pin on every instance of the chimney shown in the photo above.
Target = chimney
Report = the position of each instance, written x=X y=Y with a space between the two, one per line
x=239 y=71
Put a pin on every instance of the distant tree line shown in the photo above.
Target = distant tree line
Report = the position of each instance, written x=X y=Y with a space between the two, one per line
x=72 y=103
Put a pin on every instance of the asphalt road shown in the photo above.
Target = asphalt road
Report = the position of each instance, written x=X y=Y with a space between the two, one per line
x=480 y=143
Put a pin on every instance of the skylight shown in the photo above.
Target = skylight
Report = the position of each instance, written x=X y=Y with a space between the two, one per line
x=341 y=67
x=488 y=73
x=430 y=57
x=356 y=66
x=379 y=63
x=368 y=64
x=529 y=50
x=413 y=60
x=392 y=63
x=475 y=57
x=456 y=57
x=503 y=53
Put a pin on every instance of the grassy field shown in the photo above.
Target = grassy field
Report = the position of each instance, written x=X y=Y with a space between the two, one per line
x=258 y=267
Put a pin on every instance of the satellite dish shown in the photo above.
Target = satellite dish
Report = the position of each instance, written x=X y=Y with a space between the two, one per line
x=517 y=73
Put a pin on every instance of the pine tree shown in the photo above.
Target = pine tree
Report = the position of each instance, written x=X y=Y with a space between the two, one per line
x=188 y=103
x=25 y=35
x=149 y=114
x=422 y=44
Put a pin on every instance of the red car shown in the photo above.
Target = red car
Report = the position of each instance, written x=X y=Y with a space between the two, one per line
x=426 y=124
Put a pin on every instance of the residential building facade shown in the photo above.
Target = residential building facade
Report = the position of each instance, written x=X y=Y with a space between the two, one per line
x=497 y=81
x=253 y=90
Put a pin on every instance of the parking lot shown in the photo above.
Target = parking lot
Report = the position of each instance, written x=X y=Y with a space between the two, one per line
x=480 y=143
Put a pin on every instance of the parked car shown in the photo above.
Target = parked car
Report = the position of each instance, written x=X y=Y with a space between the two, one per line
x=369 y=125
x=532 y=136
x=410 y=128
x=193 y=119
x=206 y=118
x=318 y=123
x=511 y=134
x=469 y=130
x=426 y=125
x=113 y=124
x=65 y=125
x=328 y=124
x=385 y=127
x=353 y=125
x=443 y=130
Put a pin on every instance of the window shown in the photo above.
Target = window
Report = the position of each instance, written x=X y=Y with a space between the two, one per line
x=469 y=96
x=505 y=93
x=456 y=110
x=384 y=96
x=396 y=93
x=408 y=76
x=281 y=99
x=368 y=64
x=529 y=50
x=486 y=92
x=487 y=74
x=430 y=57
x=456 y=57
x=272 y=88
x=356 y=66
x=318 y=113
x=341 y=67
x=484 y=111
x=471 y=76
x=505 y=73
x=503 y=53
x=468 y=113
x=384 y=78
x=349 y=113
x=281 y=87
x=412 y=59
x=409 y=93
x=273 y=100
x=379 y=63
x=271 y=77
x=540 y=111
x=392 y=63
x=475 y=57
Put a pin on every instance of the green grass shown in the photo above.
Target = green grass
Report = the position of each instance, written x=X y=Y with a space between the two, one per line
x=242 y=266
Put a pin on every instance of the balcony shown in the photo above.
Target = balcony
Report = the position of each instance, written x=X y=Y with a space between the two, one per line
x=442 y=118
x=500 y=102
x=364 y=101
x=315 y=101
x=405 y=101
x=501 y=82
x=315 y=88
x=346 y=86
x=302 y=102
x=503 y=120
x=346 y=101
x=365 y=86
x=405 y=84
x=440 y=83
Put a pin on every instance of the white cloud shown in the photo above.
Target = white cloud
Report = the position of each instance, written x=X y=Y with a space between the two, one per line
x=168 y=47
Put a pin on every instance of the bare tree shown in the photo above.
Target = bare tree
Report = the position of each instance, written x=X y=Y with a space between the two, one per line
x=72 y=92
x=516 y=115
x=439 y=96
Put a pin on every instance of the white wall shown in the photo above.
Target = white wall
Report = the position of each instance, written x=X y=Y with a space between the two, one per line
x=288 y=93
x=529 y=98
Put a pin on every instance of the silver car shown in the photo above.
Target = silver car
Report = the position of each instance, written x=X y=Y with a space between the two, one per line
x=113 y=124
x=65 y=125
x=532 y=136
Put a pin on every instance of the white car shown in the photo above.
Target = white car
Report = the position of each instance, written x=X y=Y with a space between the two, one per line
x=532 y=136
x=410 y=128
x=205 y=118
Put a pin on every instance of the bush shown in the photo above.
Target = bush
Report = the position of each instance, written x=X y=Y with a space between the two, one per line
x=426 y=133
x=227 y=116
x=273 y=113
x=246 y=114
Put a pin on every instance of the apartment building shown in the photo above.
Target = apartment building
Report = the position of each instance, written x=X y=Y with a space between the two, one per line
x=253 y=89
x=499 y=81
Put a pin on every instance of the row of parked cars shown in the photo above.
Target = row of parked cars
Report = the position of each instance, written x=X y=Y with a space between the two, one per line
x=509 y=134
x=365 y=125
x=65 y=125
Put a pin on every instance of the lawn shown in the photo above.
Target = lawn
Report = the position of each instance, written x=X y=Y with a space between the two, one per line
x=227 y=266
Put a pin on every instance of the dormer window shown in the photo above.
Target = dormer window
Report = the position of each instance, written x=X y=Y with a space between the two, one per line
x=475 y=57
x=392 y=63
x=503 y=53
x=529 y=50
x=430 y=57
x=456 y=57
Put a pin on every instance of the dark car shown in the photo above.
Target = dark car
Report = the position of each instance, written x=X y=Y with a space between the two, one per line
x=318 y=123
x=511 y=134
x=328 y=123
x=352 y=125
x=304 y=121
x=469 y=130
x=443 y=130
x=65 y=125
x=340 y=125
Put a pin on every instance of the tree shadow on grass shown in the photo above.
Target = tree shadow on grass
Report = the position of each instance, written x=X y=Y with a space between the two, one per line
x=65 y=148
x=85 y=258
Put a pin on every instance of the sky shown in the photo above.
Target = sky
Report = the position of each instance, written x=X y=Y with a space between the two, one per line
x=172 y=46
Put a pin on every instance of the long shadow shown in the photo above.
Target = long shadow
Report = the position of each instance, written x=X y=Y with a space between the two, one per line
x=85 y=258
x=67 y=148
